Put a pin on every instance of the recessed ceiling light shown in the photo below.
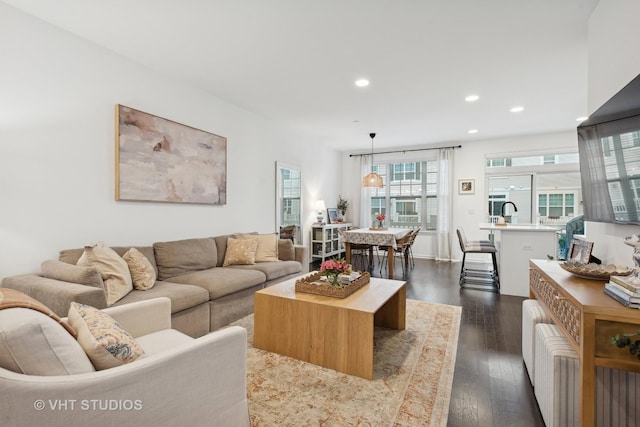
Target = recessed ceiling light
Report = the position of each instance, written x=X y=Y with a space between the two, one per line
x=362 y=82
x=472 y=131
x=472 y=98
x=517 y=109
x=582 y=119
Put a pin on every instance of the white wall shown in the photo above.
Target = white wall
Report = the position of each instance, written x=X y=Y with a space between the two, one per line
x=57 y=150
x=469 y=210
x=614 y=43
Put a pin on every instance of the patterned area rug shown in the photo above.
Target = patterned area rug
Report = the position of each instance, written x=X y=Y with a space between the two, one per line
x=413 y=373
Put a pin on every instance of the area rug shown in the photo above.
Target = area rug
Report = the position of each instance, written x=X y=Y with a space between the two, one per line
x=413 y=373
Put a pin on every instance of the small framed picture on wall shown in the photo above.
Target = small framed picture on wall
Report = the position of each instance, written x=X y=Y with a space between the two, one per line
x=466 y=186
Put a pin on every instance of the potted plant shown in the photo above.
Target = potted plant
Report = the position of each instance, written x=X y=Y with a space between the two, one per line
x=343 y=204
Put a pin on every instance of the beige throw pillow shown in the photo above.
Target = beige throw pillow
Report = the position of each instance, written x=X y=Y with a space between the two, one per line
x=143 y=275
x=240 y=251
x=113 y=269
x=102 y=338
x=267 y=246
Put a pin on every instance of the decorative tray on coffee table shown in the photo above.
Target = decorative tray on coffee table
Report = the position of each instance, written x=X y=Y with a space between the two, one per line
x=313 y=284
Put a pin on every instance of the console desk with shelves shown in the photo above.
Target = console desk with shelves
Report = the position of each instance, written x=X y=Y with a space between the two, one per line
x=325 y=241
x=588 y=319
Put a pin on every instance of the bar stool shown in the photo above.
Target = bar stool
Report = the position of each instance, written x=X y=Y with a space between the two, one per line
x=486 y=280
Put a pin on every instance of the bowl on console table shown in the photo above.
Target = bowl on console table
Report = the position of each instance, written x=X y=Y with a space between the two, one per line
x=595 y=271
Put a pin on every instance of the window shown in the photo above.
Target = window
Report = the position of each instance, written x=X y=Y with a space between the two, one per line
x=409 y=197
x=556 y=205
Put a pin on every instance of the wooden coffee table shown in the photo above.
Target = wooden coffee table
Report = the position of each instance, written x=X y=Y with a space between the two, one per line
x=331 y=332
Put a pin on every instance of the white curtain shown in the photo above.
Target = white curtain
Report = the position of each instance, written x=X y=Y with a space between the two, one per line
x=445 y=188
x=365 y=193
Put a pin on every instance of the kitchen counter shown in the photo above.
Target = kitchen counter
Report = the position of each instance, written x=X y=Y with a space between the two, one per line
x=519 y=227
x=517 y=244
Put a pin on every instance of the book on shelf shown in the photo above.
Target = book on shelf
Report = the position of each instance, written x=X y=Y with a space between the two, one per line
x=628 y=282
x=620 y=298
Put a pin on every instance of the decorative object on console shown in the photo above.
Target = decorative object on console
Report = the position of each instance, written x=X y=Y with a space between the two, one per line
x=372 y=180
x=580 y=251
x=343 y=205
x=634 y=242
x=320 y=207
x=158 y=160
x=595 y=271
x=332 y=215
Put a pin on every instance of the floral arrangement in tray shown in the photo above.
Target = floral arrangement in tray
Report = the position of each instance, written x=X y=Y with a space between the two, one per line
x=335 y=279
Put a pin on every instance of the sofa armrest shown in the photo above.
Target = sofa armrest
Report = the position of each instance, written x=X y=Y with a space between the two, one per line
x=302 y=256
x=204 y=379
x=143 y=317
x=56 y=294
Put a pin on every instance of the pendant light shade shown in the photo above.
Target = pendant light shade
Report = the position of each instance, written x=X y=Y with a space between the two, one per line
x=372 y=180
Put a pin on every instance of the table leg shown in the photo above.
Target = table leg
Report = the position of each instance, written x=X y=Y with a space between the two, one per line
x=390 y=259
x=347 y=252
x=371 y=258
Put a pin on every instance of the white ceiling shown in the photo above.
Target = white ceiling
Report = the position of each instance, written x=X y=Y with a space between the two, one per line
x=295 y=61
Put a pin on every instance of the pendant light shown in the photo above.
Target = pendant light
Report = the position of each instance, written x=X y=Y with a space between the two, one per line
x=372 y=180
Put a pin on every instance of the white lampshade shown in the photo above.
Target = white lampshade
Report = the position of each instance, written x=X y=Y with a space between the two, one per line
x=320 y=206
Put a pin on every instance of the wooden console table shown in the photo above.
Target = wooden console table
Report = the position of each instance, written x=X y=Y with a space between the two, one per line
x=588 y=319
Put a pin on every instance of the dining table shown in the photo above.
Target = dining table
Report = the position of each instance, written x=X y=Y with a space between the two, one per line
x=381 y=237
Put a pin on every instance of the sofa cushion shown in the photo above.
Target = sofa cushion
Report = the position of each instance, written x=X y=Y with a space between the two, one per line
x=160 y=341
x=58 y=270
x=273 y=270
x=241 y=251
x=113 y=269
x=286 y=250
x=182 y=296
x=267 y=250
x=184 y=256
x=102 y=338
x=34 y=344
x=143 y=275
x=221 y=281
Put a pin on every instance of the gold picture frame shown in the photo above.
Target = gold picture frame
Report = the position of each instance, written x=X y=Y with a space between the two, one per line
x=159 y=160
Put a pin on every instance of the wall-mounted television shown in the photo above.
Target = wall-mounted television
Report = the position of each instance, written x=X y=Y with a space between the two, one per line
x=609 y=148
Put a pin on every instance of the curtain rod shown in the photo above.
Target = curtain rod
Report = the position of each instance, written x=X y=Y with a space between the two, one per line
x=403 y=151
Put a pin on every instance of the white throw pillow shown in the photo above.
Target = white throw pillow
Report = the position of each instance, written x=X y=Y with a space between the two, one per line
x=113 y=269
x=32 y=343
x=102 y=338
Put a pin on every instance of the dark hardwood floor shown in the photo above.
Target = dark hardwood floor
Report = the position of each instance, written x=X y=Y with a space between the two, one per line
x=490 y=384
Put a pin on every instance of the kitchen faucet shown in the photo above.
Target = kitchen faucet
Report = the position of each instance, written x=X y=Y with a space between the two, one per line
x=501 y=220
x=515 y=208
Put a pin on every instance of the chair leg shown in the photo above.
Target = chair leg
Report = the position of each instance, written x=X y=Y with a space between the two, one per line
x=496 y=277
x=464 y=257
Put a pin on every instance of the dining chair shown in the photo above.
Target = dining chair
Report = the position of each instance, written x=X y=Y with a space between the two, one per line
x=402 y=248
x=412 y=239
x=358 y=252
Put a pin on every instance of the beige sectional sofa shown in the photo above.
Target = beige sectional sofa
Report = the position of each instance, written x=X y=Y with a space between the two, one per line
x=204 y=294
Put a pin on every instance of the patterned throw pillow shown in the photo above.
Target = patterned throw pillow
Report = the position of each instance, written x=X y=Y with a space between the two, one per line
x=240 y=251
x=142 y=272
x=102 y=338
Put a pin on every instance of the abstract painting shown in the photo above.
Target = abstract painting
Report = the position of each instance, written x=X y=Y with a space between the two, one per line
x=158 y=160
